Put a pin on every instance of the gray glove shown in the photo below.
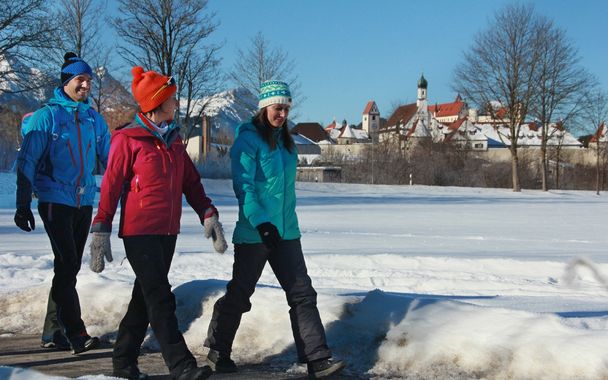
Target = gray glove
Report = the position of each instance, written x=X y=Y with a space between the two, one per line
x=215 y=231
x=100 y=247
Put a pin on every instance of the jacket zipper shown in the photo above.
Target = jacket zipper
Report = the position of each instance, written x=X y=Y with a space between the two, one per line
x=160 y=149
x=284 y=188
x=81 y=160
x=71 y=153
x=170 y=187
x=163 y=151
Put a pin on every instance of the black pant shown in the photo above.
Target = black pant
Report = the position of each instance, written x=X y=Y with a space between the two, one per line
x=68 y=229
x=288 y=265
x=51 y=324
x=151 y=302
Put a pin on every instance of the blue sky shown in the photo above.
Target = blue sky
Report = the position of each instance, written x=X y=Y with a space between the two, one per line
x=351 y=51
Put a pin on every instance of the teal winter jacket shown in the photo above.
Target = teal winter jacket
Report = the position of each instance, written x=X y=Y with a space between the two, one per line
x=264 y=183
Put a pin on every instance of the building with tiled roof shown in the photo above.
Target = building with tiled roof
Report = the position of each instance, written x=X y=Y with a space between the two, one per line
x=313 y=131
x=449 y=112
x=370 y=120
x=599 y=135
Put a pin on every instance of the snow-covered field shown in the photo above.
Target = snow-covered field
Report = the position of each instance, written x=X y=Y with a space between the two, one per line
x=414 y=282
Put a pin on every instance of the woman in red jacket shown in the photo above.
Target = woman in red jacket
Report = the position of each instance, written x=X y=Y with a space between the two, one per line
x=148 y=171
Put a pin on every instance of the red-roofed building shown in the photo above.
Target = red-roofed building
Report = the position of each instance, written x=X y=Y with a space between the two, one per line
x=599 y=135
x=312 y=131
x=371 y=118
x=449 y=112
x=332 y=125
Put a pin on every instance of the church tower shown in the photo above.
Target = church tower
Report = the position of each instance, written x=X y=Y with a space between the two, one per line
x=421 y=100
x=370 y=122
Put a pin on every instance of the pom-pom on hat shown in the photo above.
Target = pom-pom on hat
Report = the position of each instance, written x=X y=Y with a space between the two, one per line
x=150 y=89
x=73 y=66
x=274 y=92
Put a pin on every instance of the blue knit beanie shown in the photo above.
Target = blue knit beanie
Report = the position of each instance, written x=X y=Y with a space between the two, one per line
x=274 y=92
x=72 y=67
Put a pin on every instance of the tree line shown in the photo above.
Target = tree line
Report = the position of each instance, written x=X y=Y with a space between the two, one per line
x=524 y=63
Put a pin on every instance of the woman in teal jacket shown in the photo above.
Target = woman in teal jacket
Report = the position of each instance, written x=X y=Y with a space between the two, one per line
x=264 y=160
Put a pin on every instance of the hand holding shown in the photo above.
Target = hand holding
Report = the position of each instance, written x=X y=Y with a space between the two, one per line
x=270 y=235
x=24 y=219
x=100 y=248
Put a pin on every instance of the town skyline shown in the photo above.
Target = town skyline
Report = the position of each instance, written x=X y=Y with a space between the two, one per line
x=350 y=52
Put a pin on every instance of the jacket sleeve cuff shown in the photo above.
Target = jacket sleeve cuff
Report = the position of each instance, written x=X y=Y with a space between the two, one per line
x=101 y=227
x=209 y=212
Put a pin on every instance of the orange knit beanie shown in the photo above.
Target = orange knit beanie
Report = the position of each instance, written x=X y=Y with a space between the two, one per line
x=150 y=89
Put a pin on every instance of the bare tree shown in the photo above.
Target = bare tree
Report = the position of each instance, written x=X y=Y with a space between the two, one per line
x=160 y=35
x=24 y=31
x=596 y=113
x=501 y=67
x=202 y=78
x=101 y=92
x=168 y=36
x=261 y=62
x=560 y=82
x=79 y=28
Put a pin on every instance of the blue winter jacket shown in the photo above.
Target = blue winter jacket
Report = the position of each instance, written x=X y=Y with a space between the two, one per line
x=264 y=183
x=61 y=144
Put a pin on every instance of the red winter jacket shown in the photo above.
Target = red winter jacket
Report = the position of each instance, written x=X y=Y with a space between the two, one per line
x=148 y=178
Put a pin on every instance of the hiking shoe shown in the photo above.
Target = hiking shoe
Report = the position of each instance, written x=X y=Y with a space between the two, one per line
x=83 y=343
x=220 y=362
x=195 y=373
x=130 y=372
x=322 y=368
x=58 y=342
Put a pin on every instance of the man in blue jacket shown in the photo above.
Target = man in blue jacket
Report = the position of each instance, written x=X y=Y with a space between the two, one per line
x=62 y=142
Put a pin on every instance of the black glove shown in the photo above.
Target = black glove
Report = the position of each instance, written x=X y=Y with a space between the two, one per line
x=23 y=216
x=270 y=235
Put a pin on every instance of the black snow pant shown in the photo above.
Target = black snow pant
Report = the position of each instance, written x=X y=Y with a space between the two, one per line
x=152 y=302
x=68 y=229
x=51 y=324
x=288 y=265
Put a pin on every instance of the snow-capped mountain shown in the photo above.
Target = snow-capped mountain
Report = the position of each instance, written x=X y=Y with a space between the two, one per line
x=114 y=94
x=226 y=109
x=14 y=77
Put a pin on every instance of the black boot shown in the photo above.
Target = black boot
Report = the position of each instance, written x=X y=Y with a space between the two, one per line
x=195 y=373
x=130 y=372
x=322 y=368
x=82 y=343
x=221 y=362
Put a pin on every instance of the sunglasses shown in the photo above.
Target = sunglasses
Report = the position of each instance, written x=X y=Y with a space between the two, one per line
x=170 y=82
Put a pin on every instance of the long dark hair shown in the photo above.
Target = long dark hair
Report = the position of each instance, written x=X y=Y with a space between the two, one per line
x=260 y=120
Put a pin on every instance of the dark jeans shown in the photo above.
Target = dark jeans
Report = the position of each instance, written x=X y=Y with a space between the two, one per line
x=68 y=229
x=151 y=302
x=288 y=265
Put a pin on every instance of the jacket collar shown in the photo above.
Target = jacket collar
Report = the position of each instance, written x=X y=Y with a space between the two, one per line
x=142 y=124
x=62 y=99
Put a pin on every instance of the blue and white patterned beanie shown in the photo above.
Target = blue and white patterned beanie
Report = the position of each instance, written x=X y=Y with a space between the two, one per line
x=274 y=92
x=73 y=66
